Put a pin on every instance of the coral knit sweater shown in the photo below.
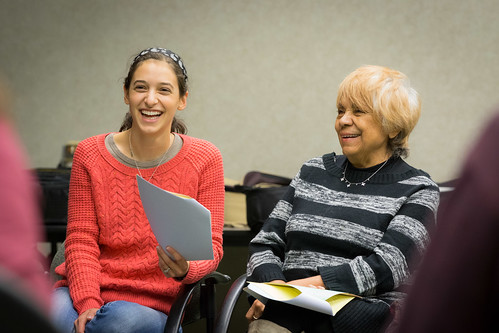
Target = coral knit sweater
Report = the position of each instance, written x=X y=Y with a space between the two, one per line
x=110 y=247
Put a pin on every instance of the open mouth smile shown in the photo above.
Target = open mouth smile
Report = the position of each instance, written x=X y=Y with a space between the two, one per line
x=349 y=136
x=152 y=114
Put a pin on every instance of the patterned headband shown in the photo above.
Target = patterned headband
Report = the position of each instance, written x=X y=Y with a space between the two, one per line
x=164 y=52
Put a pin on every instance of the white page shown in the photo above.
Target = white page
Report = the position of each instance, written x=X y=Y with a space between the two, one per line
x=309 y=298
x=302 y=300
x=179 y=222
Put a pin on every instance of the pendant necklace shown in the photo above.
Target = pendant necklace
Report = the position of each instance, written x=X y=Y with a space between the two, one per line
x=363 y=183
x=137 y=166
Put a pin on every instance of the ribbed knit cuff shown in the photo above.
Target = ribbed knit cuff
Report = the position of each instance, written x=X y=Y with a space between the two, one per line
x=267 y=273
x=192 y=275
x=89 y=303
x=337 y=278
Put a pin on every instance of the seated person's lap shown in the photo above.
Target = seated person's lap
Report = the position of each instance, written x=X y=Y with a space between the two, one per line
x=117 y=316
x=296 y=319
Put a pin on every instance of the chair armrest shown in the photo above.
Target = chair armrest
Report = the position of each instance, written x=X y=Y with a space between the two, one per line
x=200 y=292
x=215 y=278
x=223 y=319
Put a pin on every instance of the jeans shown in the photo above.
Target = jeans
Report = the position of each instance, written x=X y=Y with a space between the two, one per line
x=117 y=316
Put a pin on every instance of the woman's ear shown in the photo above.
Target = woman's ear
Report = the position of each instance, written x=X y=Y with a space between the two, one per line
x=125 y=95
x=182 y=102
x=393 y=134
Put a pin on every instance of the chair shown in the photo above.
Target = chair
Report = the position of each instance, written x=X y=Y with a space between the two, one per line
x=229 y=302
x=19 y=313
x=196 y=301
x=54 y=189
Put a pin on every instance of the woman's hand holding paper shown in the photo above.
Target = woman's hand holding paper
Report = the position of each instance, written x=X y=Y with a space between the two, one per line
x=172 y=263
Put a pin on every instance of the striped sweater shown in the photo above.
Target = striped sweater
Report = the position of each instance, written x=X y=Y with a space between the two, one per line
x=358 y=238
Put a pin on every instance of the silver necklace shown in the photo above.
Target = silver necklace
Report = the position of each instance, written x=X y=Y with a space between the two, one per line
x=363 y=183
x=137 y=166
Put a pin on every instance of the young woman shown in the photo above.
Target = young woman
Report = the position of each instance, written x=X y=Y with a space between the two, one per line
x=116 y=278
x=350 y=223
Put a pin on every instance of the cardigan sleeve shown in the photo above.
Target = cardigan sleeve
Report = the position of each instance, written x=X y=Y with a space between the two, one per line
x=389 y=264
x=82 y=249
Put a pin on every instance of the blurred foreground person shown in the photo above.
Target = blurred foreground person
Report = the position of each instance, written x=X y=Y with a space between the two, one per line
x=20 y=218
x=457 y=287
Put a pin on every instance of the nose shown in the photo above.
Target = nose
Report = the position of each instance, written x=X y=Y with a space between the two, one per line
x=345 y=118
x=151 y=98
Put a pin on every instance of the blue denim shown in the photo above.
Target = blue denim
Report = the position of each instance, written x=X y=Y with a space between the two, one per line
x=117 y=316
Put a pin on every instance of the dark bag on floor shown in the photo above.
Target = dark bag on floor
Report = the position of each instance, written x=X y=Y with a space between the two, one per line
x=262 y=191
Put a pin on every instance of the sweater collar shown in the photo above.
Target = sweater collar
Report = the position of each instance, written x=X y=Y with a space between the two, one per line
x=396 y=169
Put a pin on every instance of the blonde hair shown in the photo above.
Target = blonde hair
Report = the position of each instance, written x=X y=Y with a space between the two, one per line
x=388 y=95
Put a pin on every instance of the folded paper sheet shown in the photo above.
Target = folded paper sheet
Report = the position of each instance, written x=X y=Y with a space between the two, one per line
x=177 y=221
x=320 y=300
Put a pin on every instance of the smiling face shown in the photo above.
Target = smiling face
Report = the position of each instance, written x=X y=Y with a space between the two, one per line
x=362 y=139
x=154 y=97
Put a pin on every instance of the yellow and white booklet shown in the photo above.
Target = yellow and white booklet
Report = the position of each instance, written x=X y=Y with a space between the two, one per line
x=178 y=221
x=320 y=300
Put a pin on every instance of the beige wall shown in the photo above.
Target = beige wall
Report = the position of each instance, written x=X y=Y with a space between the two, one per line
x=264 y=73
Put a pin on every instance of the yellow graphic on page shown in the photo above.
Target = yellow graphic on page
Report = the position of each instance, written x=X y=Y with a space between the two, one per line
x=281 y=292
x=337 y=302
x=185 y=196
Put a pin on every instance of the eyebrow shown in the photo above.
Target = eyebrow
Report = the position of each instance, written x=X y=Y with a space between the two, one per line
x=161 y=83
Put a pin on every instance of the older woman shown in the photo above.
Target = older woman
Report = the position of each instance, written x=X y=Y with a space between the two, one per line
x=350 y=222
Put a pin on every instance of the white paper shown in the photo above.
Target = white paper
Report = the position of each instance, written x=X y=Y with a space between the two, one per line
x=177 y=221
x=320 y=300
